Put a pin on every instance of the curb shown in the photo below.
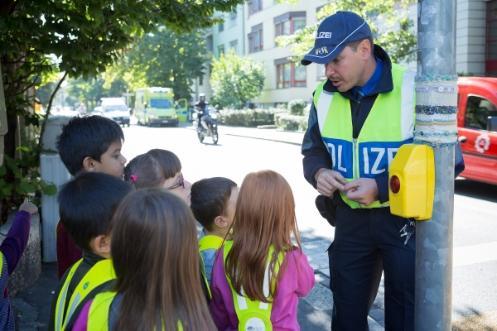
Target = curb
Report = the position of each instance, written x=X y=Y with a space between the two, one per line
x=264 y=138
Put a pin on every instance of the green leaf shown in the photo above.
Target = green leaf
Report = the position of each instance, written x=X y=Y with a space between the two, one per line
x=26 y=187
x=49 y=189
x=6 y=190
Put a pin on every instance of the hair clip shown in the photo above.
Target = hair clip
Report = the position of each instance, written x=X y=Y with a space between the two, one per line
x=133 y=178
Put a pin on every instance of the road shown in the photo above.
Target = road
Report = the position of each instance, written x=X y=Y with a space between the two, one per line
x=475 y=211
x=232 y=157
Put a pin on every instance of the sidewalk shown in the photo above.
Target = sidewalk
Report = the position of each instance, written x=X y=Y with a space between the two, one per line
x=32 y=305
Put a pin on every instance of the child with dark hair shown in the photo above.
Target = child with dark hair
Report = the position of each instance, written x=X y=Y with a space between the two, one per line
x=158 y=168
x=258 y=277
x=11 y=251
x=154 y=250
x=92 y=144
x=86 y=205
x=213 y=202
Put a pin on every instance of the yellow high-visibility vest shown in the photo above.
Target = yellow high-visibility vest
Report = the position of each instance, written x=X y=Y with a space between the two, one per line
x=389 y=125
x=102 y=272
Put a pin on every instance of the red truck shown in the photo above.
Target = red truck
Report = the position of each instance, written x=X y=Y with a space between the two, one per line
x=477 y=127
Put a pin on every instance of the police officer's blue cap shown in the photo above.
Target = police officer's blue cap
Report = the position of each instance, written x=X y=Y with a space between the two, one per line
x=334 y=33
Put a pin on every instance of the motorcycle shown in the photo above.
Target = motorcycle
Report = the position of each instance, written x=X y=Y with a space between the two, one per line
x=210 y=128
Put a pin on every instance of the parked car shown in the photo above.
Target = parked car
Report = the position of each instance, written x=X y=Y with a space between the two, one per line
x=477 y=127
x=115 y=109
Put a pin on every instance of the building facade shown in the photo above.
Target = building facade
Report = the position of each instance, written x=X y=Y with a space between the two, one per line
x=267 y=20
x=252 y=30
x=476 y=37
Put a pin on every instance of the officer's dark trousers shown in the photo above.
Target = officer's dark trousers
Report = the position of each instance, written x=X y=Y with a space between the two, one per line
x=361 y=236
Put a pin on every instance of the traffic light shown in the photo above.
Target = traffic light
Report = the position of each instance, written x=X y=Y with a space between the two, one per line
x=412 y=182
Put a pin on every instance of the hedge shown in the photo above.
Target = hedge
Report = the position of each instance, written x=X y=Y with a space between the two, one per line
x=290 y=122
x=272 y=116
x=248 y=117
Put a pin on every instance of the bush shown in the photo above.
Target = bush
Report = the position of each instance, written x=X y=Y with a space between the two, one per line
x=235 y=80
x=297 y=106
x=290 y=122
x=248 y=117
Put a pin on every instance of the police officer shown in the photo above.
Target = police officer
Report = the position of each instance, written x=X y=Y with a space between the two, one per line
x=360 y=116
x=202 y=110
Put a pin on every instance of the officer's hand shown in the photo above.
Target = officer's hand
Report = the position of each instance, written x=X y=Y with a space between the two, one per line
x=328 y=181
x=362 y=190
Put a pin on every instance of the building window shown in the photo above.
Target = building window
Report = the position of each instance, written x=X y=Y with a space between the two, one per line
x=255 y=39
x=220 y=27
x=321 y=72
x=491 y=39
x=210 y=43
x=234 y=45
x=254 y=6
x=477 y=112
x=288 y=23
x=220 y=50
x=232 y=20
x=289 y=74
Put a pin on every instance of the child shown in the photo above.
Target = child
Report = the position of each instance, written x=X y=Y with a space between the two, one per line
x=11 y=251
x=258 y=277
x=87 y=144
x=154 y=250
x=86 y=206
x=213 y=202
x=158 y=168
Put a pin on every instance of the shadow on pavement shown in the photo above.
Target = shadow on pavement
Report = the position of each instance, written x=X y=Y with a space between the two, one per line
x=474 y=320
x=476 y=190
x=314 y=311
x=311 y=318
x=32 y=305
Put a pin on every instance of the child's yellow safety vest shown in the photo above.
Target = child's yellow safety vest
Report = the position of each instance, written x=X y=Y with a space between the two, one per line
x=101 y=274
x=99 y=313
x=254 y=314
x=206 y=243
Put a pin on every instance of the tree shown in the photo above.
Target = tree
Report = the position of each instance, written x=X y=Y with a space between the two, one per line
x=391 y=27
x=170 y=59
x=78 y=38
x=87 y=91
x=90 y=91
x=44 y=92
x=235 y=80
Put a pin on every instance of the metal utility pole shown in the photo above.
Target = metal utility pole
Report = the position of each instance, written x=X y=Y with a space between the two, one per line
x=436 y=110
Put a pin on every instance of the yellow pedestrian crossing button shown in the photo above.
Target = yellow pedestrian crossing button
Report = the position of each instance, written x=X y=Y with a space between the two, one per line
x=412 y=182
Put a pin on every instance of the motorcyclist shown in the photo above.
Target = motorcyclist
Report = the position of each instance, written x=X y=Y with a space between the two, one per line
x=202 y=110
